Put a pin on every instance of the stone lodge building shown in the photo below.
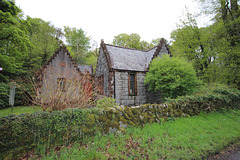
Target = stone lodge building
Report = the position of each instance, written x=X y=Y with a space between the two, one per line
x=120 y=73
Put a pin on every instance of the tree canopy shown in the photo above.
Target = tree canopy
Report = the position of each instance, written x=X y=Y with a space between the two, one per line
x=214 y=50
x=133 y=41
x=78 y=42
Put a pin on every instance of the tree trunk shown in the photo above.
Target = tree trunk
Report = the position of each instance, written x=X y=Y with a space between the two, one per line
x=224 y=10
x=235 y=16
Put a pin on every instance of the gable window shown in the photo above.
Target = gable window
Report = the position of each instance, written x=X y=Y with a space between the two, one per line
x=101 y=84
x=61 y=84
x=132 y=84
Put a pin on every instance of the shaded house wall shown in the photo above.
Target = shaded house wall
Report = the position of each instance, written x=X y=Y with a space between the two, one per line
x=61 y=73
x=121 y=70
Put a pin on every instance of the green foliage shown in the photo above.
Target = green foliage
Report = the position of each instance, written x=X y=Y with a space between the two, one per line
x=79 y=43
x=171 y=76
x=45 y=39
x=213 y=50
x=208 y=134
x=21 y=133
x=13 y=42
x=215 y=98
x=106 y=102
x=24 y=132
x=131 y=41
x=4 y=95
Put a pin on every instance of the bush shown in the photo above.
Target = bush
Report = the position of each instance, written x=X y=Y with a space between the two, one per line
x=4 y=95
x=171 y=76
x=53 y=93
x=106 y=102
x=217 y=99
x=21 y=133
x=24 y=132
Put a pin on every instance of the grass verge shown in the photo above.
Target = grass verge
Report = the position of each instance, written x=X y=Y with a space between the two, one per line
x=18 y=110
x=185 y=138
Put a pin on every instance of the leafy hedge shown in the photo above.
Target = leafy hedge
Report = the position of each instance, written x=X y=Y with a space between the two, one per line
x=217 y=100
x=26 y=131
x=19 y=134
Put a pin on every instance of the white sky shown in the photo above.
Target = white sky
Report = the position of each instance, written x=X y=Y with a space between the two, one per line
x=104 y=19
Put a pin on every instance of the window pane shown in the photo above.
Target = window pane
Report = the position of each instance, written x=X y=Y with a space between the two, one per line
x=61 y=83
x=132 y=83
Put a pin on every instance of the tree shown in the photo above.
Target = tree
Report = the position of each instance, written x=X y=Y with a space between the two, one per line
x=78 y=42
x=213 y=51
x=131 y=41
x=45 y=39
x=171 y=76
x=14 y=42
x=188 y=42
x=226 y=20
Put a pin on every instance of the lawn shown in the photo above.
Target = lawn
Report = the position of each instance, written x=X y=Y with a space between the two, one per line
x=18 y=110
x=185 y=138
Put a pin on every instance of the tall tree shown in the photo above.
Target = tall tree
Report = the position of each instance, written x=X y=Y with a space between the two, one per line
x=45 y=39
x=188 y=43
x=78 y=42
x=13 y=40
x=131 y=41
x=215 y=49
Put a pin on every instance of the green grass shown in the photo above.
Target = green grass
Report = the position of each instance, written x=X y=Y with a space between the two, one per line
x=18 y=110
x=186 y=138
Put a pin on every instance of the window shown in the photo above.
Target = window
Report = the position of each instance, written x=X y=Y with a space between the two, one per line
x=132 y=84
x=61 y=84
x=100 y=84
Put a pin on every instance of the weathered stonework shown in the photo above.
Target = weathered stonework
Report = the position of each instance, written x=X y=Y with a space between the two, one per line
x=60 y=66
x=121 y=89
x=103 y=69
x=117 y=64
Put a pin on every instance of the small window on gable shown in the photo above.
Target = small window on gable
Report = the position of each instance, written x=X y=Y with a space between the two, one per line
x=100 y=80
x=61 y=84
x=132 y=84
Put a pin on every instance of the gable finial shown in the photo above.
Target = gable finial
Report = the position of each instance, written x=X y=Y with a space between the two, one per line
x=102 y=41
x=162 y=40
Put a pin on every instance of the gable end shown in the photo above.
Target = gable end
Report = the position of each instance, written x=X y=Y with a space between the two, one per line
x=105 y=51
x=39 y=72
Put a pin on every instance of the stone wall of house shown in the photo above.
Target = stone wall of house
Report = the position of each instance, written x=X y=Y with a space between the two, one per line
x=61 y=66
x=121 y=89
x=102 y=69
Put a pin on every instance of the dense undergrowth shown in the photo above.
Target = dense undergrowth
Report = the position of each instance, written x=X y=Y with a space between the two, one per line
x=185 y=138
x=22 y=133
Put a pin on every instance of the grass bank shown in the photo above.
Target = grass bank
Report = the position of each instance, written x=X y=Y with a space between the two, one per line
x=185 y=138
x=18 y=110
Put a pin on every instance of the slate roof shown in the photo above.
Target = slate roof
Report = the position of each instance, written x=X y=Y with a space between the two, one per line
x=86 y=68
x=122 y=58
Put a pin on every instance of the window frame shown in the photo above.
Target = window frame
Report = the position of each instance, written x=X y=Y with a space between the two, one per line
x=134 y=93
x=61 y=83
x=101 y=84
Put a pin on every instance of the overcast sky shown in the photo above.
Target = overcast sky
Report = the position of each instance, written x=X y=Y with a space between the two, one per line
x=104 y=19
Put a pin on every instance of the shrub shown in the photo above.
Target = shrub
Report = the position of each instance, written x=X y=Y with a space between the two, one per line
x=171 y=76
x=21 y=133
x=4 y=95
x=106 y=102
x=24 y=132
x=53 y=93
x=217 y=99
